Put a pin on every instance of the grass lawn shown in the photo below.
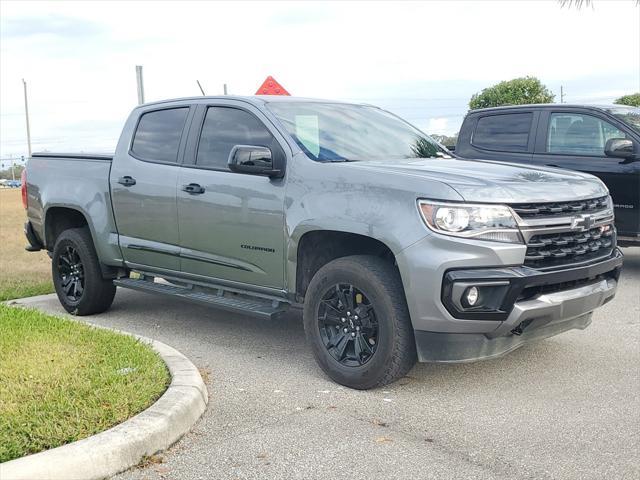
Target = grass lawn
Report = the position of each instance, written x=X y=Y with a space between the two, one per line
x=22 y=273
x=62 y=380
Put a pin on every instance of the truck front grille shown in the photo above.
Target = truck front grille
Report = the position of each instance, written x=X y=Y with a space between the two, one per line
x=535 y=210
x=558 y=249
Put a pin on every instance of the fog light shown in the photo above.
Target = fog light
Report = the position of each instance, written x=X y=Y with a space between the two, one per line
x=472 y=296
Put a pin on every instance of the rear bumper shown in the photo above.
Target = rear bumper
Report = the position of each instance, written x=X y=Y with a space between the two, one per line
x=546 y=304
x=34 y=244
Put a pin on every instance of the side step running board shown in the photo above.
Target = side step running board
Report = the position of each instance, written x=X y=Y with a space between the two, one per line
x=237 y=303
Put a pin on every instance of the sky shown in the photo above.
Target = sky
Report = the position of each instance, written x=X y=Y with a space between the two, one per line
x=420 y=60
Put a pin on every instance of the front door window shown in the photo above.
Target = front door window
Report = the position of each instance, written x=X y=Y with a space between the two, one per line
x=578 y=134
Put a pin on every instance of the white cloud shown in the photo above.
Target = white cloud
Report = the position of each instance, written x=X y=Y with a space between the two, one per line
x=438 y=125
x=420 y=60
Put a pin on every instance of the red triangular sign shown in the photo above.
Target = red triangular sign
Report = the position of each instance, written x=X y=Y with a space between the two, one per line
x=271 y=87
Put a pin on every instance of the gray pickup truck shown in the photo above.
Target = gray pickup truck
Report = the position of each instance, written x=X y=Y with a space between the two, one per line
x=397 y=250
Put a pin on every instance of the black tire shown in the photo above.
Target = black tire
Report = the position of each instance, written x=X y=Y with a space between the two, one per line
x=379 y=285
x=77 y=276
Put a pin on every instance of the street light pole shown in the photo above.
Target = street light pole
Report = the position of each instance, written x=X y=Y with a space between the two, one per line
x=26 y=113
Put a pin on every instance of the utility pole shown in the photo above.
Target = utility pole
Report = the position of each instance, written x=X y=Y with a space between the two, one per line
x=561 y=94
x=26 y=113
x=225 y=88
x=140 y=84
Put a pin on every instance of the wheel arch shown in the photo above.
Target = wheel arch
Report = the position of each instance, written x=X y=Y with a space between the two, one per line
x=59 y=218
x=316 y=248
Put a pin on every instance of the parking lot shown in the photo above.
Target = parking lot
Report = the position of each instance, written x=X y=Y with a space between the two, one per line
x=566 y=407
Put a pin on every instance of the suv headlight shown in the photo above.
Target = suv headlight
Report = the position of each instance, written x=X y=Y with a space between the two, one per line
x=495 y=223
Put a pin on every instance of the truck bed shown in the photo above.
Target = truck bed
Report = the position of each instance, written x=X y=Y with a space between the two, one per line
x=53 y=179
x=74 y=156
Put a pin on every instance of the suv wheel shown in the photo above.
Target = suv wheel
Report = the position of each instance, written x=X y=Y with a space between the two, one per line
x=357 y=322
x=77 y=276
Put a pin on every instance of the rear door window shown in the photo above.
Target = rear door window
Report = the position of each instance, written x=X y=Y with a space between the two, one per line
x=578 y=134
x=504 y=133
x=157 y=138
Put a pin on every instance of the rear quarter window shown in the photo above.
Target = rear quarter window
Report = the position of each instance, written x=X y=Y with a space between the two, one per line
x=503 y=132
x=158 y=135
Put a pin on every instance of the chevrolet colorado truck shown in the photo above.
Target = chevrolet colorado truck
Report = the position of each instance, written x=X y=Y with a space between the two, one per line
x=396 y=250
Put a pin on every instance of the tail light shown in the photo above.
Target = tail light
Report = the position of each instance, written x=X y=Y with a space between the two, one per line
x=23 y=189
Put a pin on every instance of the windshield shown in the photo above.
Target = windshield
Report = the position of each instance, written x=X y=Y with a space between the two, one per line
x=343 y=132
x=629 y=115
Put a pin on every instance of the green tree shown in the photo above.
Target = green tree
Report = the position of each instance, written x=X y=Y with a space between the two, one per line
x=632 y=100
x=7 y=175
x=423 y=148
x=445 y=140
x=518 y=91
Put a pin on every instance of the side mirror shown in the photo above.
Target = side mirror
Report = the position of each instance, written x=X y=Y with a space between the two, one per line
x=619 y=147
x=253 y=160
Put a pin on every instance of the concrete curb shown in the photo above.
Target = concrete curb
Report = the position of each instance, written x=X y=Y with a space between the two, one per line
x=124 y=445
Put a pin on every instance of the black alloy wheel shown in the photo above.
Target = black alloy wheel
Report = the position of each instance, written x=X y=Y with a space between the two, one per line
x=77 y=274
x=348 y=325
x=357 y=322
x=71 y=274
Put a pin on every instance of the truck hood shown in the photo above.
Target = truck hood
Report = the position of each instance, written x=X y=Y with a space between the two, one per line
x=493 y=182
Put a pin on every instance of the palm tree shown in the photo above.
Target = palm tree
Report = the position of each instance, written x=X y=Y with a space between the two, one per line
x=423 y=148
x=576 y=3
x=579 y=3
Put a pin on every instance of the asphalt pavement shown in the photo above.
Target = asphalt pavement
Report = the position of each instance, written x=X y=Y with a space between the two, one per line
x=564 y=408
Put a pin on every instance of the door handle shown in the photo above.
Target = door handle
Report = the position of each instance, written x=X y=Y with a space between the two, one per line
x=127 y=181
x=193 y=188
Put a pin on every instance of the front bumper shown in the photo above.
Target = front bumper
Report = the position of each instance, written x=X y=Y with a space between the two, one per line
x=537 y=304
x=508 y=286
x=629 y=240
x=543 y=316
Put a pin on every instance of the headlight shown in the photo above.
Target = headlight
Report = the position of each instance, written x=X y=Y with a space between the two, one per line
x=483 y=222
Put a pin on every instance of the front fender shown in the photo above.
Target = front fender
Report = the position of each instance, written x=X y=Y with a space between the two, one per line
x=327 y=196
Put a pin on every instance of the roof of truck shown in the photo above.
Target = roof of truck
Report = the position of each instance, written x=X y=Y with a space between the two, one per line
x=549 y=105
x=254 y=99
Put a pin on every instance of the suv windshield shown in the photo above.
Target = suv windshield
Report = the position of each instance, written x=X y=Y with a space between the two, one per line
x=629 y=115
x=345 y=132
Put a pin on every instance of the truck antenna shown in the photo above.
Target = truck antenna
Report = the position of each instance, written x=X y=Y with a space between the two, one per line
x=200 y=87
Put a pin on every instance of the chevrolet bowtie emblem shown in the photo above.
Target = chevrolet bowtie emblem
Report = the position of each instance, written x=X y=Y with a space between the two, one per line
x=582 y=223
